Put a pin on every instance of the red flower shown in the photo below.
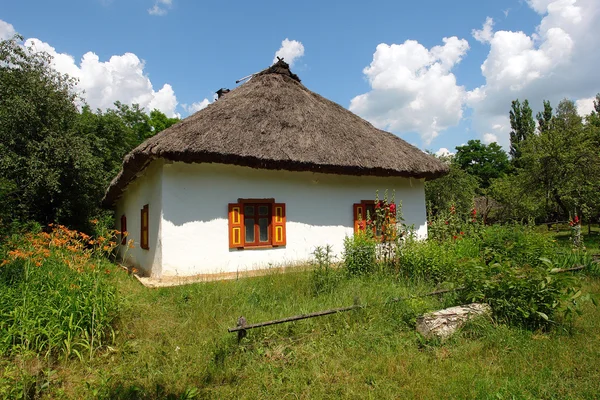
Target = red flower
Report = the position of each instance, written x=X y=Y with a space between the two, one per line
x=474 y=212
x=361 y=225
x=576 y=220
x=462 y=233
x=446 y=222
x=454 y=237
x=369 y=222
x=393 y=208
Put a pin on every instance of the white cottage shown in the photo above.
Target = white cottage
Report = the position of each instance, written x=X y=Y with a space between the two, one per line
x=258 y=179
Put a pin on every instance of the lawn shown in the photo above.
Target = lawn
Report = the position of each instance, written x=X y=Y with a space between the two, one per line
x=173 y=343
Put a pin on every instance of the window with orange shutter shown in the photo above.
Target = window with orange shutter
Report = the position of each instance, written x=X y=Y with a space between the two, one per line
x=144 y=228
x=256 y=223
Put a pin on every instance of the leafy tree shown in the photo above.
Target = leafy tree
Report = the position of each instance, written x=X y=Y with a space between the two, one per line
x=485 y=162
x=457 y=188
x=522 y=125
x=544 y=118
x=563 y=163
x=56 y=160
x=48 y=169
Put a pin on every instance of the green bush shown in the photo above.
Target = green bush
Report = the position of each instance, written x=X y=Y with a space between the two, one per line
x=56 y=295
x=360 y=254
x=532 y=297
x=521 y=245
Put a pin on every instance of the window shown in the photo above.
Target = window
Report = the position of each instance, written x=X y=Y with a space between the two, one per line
x=256 y=223
x=144 y=228
x=123 y=229
x=365 y=216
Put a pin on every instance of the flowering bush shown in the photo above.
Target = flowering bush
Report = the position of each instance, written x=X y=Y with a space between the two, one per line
x=446 y=225
x=56 y=295
x=576 y=238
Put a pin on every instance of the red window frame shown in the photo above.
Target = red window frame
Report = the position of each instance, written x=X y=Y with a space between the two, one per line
x=361 y=211
x=238 y=216
x=144 y=231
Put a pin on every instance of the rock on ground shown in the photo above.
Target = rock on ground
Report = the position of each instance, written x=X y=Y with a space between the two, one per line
x=444 y=323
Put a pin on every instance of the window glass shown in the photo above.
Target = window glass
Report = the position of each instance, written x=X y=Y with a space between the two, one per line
x=263 y=210
x=249 y=224
x=249 y=211
x=263 y=224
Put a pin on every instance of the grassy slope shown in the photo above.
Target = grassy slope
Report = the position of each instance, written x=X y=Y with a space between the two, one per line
x=174 y=342
x=176 y=339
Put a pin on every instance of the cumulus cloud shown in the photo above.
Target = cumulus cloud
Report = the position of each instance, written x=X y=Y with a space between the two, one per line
x=195 y=107
x=485 y=34
x=6 y=30
x=443 y=152
x=160 y=8
x=413 y=88
x=120 y=78
x=559 y=60
x=489 y=138
x=290 y=51
x=585 y=106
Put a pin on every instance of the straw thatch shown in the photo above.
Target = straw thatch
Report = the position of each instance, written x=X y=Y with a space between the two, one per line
x=274 y=122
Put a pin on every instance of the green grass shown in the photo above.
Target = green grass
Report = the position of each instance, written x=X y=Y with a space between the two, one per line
x=173 y=343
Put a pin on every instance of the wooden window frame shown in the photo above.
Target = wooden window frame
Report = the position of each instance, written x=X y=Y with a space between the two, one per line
x=144 y=228
x=361 y=225
x=277 y=223
x=123 y=229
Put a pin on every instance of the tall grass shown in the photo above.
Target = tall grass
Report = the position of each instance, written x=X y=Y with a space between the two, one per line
x=56 y=295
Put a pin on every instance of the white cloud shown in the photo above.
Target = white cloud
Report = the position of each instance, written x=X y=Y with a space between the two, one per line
x=585 y=106
x=443 y=152
x=121 y=78
x=485 y=34
x=559 y=60
x=6 y=30
x=161 y=7
x=290 y=51
x=489 y=138
x=195 y=107
x=412 y=88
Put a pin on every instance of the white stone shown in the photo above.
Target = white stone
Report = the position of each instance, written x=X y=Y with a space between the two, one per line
x=444 y=323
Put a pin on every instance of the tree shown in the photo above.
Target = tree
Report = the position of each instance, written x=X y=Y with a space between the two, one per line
x=563 y=162
x=57 y=161
x=544 y=118
x=485 y=162
x=457 y=188
x=48 y=168
x=522 y=125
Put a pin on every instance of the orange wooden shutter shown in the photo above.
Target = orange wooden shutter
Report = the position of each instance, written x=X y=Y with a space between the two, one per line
x=236 y=225
x=359 y=217
x=123 y=229
x=144 y=231
x=279 y=236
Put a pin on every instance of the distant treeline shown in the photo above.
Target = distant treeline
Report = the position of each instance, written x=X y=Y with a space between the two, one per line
x=57 y=158
x=551 y=173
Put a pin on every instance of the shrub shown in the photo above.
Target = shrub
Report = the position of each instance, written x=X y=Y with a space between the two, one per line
x=531 y=297
x=521 y=245
x=360 y=251
x=56 y=296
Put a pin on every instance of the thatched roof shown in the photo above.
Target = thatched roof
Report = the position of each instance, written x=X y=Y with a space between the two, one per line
x=274 y=122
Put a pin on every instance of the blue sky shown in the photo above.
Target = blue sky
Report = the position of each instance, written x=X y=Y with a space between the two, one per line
x=431 y=91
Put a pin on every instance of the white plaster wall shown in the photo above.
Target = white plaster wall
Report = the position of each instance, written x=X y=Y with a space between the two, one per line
x=318 y=211
x=145 y=189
